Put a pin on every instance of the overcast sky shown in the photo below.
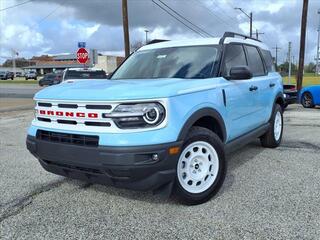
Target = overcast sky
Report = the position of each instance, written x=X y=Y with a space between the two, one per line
x=55 y=26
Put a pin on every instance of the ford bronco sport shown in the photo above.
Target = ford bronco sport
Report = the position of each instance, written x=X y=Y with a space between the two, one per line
x=165 y=119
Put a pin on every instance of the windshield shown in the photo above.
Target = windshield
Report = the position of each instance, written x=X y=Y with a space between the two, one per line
x=2 y=72
x=174 y=62
x=73 y=74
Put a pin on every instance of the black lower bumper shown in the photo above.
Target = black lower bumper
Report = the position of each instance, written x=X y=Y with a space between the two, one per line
x=126 y=167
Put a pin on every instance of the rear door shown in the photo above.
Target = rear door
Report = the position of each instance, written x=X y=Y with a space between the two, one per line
x=260 y=82
x=239 y=99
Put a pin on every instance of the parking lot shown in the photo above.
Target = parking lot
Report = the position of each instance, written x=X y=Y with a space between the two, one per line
x=268 y=194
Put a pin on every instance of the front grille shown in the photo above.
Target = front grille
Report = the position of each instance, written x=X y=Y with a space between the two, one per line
x=75 y=139
x=105 y=107
x=67 y=105
x=67 y=122
x=42 y=104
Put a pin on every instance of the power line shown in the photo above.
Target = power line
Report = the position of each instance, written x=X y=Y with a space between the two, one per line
x=45 y=17
x=16 y=5
x=201 y=34
x=186 y=19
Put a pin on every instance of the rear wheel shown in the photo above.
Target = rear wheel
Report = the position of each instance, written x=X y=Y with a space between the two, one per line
x=307 y=100
x=201 y=167
x=273 y=137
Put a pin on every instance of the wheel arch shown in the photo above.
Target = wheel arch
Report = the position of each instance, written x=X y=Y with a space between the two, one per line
x=279 y=99
x=203 y=118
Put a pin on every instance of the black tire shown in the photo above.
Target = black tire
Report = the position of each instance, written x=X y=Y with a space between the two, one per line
x=202 y=134
x=26 y=78
x=285 y=105
x=307 y=100
x=268 y=139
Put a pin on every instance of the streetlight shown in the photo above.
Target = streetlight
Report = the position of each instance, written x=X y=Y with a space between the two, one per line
x=146 y=35
x=249 y=16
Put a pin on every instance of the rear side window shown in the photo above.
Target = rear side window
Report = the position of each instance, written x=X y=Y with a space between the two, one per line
x=234 y=56
x=268 y=60
x=254 y=61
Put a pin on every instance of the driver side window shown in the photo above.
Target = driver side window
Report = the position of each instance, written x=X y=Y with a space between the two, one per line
x=234 y=56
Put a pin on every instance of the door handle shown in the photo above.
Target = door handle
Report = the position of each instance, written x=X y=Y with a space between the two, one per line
x=253 y=88
x=272 y=84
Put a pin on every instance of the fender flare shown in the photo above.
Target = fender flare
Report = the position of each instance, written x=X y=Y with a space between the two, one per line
x=279 y=95
x=204 y=112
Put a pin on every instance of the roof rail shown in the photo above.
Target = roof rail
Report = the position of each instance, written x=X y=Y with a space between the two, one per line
x=233 y=35
x=156 y=41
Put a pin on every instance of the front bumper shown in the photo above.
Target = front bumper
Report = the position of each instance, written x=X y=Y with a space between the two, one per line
x=125 y=167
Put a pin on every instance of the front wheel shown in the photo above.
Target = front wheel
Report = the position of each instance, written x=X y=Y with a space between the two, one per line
x=307 y=100
x=273 y=137
x=201 y=167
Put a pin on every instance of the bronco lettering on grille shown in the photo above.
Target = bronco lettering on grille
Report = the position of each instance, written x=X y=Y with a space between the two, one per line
x=68 y=114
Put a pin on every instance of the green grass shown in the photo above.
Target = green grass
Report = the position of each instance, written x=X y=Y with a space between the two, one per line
x=308 y=79
x=19 y=80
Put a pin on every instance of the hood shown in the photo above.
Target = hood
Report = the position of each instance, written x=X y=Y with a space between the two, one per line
x=123 y=89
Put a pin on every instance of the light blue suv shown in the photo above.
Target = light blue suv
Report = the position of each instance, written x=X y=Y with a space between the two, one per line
x=165 y=119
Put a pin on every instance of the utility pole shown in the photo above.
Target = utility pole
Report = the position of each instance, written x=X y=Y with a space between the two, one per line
x=302 y=44
x=250 y=24
x=249 y=16
x=257 y=34
x=125 y=27
x=318 y=47
x=289 y=60
x=277 y=49
x=146 y=35
x=14 y=54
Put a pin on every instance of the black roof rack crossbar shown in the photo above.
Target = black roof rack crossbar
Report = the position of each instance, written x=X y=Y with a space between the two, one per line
x=233 y=35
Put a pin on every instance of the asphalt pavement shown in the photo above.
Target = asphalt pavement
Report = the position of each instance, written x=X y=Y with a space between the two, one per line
x=18 y=90
x=267 y=194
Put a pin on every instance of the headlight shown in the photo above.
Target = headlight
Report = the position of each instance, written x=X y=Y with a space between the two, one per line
x=140 y=115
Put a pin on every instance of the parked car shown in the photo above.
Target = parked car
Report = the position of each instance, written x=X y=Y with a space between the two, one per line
x=83 y=73
x=290 y=94
x=309 y=97
x=165 y=119
x=50 y=79
x=4 y=75
x=31 y=75
x=19 y=74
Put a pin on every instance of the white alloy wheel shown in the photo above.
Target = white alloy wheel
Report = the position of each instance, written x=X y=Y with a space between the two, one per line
x=277 y=126
x=198 y=167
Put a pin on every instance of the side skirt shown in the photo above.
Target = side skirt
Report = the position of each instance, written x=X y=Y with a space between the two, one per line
x=247 y=138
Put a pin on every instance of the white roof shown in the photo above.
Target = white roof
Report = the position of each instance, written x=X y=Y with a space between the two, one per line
x=200 y=42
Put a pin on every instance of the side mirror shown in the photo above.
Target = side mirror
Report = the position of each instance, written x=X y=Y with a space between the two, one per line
x=240 y=73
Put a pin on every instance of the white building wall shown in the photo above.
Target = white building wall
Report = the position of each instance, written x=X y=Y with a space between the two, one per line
x=107 y=63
